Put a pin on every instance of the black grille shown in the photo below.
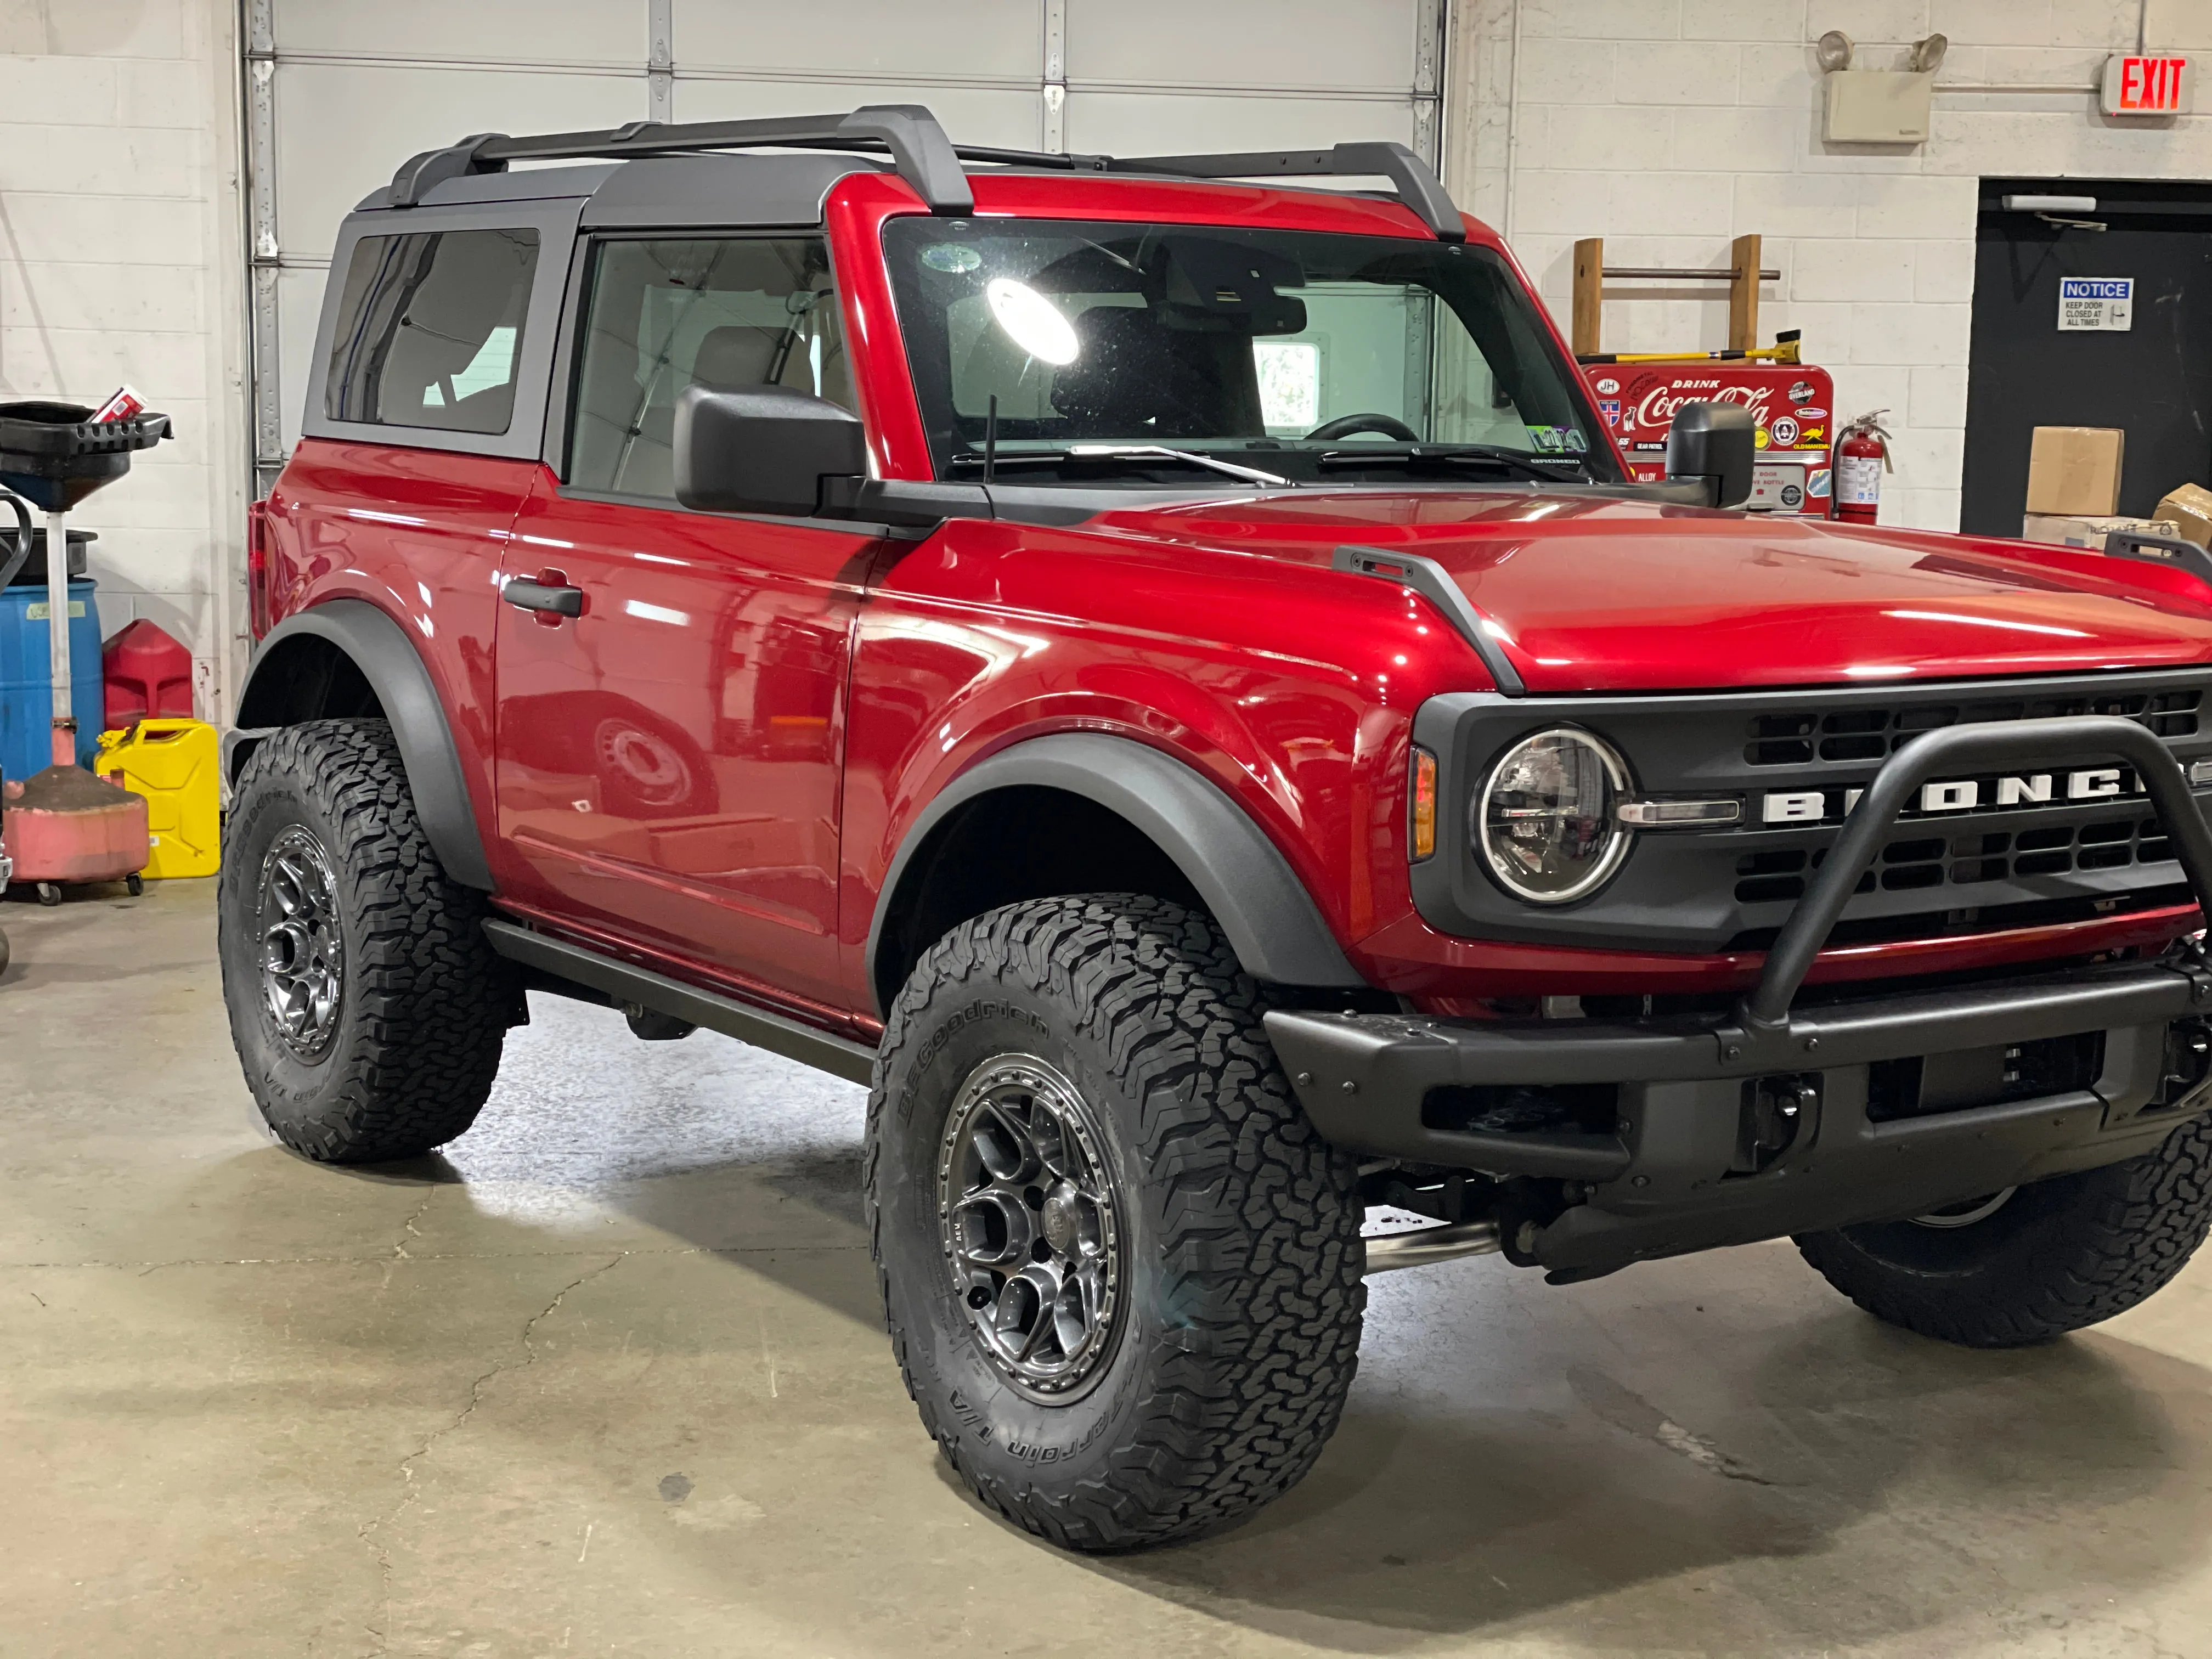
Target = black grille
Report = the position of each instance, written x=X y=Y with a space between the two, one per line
x=1963 y=860
x=1798 y=738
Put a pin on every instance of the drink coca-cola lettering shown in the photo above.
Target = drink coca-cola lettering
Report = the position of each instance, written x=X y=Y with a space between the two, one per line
x=1789 y=404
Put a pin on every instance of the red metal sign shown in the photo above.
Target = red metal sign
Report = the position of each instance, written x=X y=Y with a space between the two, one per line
x=1792 y=407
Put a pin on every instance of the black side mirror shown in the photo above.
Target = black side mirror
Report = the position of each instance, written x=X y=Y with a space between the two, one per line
x=762 y=449
x=1712 y=442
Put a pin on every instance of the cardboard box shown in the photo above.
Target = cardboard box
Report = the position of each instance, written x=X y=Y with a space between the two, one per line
x=2087 y=530
x=2190 y=508
x=2075 y=470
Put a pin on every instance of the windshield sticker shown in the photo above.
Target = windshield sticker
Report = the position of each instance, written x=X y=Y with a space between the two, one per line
x=954 y=257
x=1556 y=439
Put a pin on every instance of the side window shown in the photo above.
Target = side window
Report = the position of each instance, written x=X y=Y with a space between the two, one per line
x=429 y=329
x=665 y=315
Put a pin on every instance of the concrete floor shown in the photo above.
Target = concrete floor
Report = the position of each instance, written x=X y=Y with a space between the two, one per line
x=607 y=1378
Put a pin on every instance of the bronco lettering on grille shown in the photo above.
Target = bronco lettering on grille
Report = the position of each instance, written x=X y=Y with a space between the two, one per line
x=2091 y=784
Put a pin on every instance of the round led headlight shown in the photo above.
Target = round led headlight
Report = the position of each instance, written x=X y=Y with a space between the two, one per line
x=1546 y=819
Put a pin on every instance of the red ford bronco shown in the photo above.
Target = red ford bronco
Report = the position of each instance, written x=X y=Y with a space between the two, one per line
x=1169 y=681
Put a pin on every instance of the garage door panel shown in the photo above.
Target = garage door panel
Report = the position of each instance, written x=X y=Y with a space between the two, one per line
x=343 y=130
x=1347 y=45
x=955 y=39
x=299 y=307
x=548 y=30
x=1168 y=124
x=973 y=115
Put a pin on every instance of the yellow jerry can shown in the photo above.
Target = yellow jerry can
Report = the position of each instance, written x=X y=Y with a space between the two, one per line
x=175 y=764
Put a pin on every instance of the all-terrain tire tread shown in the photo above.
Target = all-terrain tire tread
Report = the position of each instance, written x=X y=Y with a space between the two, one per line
x=435 y=999
x=2132 y=1227
x=1263 y=1231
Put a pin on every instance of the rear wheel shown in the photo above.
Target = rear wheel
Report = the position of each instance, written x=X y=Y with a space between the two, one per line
x=2028 y=1264
x=1121 y=1270
x=367 y=1008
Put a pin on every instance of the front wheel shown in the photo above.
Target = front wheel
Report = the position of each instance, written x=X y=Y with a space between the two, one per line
x=2028 y=1264
x=1121 y=1268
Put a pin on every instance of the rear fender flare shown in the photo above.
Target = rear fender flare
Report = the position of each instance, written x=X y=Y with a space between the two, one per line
x=395 y=671
x=1269 y=918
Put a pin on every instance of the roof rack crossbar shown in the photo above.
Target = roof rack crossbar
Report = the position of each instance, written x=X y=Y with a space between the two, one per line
x=918 y=148
x=925 y=157
x=1417 y=186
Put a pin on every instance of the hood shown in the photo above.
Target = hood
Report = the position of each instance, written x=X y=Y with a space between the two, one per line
x=1587 y=595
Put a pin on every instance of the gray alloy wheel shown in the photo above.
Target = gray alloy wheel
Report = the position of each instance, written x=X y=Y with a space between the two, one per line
x=302 y=947
x=1028 y=1209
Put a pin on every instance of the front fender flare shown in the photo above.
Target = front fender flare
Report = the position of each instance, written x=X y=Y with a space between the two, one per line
x=395 y=671
x=1269 y=919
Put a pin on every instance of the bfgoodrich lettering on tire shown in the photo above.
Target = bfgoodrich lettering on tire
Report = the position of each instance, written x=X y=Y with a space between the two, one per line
x=367 y=1008
x=1121 y=1270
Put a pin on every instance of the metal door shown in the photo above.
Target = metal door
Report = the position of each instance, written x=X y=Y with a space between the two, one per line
x=2153 y=381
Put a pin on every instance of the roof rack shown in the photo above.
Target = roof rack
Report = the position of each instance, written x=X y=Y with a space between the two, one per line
x=924 y=156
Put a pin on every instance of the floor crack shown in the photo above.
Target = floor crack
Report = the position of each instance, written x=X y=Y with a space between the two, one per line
x=367 y=1531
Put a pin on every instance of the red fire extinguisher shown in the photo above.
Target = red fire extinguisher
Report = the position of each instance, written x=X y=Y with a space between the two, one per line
x=1862 y=457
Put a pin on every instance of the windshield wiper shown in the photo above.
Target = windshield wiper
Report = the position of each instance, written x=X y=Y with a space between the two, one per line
x=1126 y=452
x=1530 y=466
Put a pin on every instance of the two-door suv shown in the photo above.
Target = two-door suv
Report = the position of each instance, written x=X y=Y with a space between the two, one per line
x=1168 y=681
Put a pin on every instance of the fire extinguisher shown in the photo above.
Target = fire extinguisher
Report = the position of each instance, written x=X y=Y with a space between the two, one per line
x=1862 y=457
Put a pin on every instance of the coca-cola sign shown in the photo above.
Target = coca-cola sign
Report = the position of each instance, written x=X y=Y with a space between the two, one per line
x=1650 y=400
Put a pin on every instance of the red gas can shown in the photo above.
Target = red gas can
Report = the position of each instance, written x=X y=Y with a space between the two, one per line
x=150 y=677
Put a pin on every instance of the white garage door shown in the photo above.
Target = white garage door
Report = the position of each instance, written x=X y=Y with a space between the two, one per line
x=340 y=92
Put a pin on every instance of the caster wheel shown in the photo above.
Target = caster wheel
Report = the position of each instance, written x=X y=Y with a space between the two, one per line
x=135 y=884
x=49 y=893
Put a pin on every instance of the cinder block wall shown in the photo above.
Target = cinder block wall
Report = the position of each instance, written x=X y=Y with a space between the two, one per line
x=120 y=260
x=1669 y=126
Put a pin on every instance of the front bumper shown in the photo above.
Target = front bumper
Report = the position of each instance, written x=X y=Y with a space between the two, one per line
x=1680 y=1134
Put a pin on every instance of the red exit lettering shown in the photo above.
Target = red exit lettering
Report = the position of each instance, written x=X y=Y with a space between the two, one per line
x=2149 y=86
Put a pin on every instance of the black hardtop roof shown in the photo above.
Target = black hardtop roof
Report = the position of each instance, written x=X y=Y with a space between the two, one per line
x=658 y=173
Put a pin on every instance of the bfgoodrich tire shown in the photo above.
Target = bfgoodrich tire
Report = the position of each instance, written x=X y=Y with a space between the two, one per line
x=2050 y=1259
x=367 y=1008
x=1121 y=1269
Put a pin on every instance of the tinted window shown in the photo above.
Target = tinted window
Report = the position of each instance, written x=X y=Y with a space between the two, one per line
x=758 y=311
x=1229 y=340
x=429 y=329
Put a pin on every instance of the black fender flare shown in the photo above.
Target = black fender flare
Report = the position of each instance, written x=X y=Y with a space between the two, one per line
x=1270 y=920
x=395 y=671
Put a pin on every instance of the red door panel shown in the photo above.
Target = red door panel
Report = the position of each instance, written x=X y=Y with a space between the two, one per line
x=668 y=761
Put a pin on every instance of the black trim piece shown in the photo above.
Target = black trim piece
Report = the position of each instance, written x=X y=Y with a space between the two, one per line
x=395 y=672
x=1249 y=888
x=1431 y=581
x=779 y=1034
x=2147 y=547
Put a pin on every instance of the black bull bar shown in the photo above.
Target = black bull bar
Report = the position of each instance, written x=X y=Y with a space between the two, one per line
x=1766 y=1122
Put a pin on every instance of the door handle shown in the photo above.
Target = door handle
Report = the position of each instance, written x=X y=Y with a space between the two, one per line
x=549 y=599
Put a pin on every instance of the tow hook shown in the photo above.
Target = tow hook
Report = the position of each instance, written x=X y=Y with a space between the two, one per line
x=1778 y=1112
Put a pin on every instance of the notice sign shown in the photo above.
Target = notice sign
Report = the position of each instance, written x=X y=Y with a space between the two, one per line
x=2097 y=302
x=2145 y=86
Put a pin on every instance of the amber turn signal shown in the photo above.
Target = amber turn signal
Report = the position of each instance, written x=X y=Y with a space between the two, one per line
x=1425 y=804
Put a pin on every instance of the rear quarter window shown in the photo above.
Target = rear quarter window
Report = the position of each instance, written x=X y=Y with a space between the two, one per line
x=429 y=329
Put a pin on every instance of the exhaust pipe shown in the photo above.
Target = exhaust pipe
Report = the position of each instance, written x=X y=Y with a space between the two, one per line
x=1418 y=1249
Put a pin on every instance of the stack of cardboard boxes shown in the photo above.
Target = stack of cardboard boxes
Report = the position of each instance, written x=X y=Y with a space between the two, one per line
x=2074 y=492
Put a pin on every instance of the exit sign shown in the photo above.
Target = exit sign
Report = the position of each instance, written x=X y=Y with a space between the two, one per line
x=2145 y=86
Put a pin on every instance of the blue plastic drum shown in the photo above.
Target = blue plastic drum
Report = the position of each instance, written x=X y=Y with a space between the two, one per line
x=27 y=700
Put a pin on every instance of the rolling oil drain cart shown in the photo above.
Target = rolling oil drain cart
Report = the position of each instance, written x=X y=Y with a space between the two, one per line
x=64 y=826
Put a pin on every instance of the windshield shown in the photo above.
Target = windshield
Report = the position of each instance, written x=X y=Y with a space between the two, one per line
x=1167 y=354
